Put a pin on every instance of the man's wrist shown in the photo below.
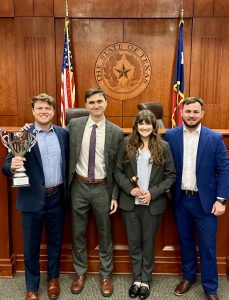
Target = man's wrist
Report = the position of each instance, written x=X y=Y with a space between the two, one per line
x=222 y=200
x=12 y=171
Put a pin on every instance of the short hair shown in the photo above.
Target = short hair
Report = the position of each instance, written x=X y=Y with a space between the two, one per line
x=190 y=100
x=93 y=91
x=44 y=98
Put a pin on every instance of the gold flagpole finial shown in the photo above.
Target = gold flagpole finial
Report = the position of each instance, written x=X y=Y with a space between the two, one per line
x=182 y=14
x=182 y=11
x=66 y=8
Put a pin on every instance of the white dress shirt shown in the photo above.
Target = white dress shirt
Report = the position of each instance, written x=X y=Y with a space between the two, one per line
x=191 y=141
x=82 y=164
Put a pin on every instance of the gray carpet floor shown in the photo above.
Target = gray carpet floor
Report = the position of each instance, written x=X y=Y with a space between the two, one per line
x=162 y=288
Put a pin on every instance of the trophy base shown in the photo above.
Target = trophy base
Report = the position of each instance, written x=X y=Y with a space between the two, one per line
x=20 y=181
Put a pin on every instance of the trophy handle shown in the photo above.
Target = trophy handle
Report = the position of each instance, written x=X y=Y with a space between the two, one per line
x=33 y=136
x=5 y=140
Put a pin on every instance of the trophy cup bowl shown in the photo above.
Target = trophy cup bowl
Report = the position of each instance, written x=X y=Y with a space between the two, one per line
x=19 y=143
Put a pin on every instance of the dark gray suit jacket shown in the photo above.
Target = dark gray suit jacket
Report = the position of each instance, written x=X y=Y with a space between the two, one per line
x=161 y=179
x=113 y=140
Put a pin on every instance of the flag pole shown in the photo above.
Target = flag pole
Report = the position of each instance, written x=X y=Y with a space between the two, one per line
x=178 y=82
x=66 y=8
x=67 y=32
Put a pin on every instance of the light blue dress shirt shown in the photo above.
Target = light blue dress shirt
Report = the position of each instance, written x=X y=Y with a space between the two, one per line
x=50 y=151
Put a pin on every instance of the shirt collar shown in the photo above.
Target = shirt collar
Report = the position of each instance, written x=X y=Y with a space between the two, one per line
x=196 y=131
x=42 y=130
x=90 y=122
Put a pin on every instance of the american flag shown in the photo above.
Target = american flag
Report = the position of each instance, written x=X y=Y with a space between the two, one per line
x=178 y=83
x=67 y=76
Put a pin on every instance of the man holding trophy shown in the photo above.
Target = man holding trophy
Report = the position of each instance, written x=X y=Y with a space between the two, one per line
x=43 y=193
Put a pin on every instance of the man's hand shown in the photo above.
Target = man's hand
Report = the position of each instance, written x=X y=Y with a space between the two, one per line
x=114 y=206
x=17 y=162
x=26 y=126
x=218 y=209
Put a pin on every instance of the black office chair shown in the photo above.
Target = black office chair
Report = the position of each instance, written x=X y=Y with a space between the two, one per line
x=75 y=113
x=156 y=108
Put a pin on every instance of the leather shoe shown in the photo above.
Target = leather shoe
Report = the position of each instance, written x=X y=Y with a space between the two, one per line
x=183 y=287
x=212 y=297
x=53 y=289
x=31 y=295
x=134 y=290
x=78 y=284
x=106 y=287
x=143 y=292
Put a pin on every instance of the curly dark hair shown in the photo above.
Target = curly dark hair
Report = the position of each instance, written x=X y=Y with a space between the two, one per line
x=134 y=142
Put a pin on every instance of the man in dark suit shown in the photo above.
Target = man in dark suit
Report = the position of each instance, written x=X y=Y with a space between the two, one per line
x=199 y=194
x=94 y=144
x=44 y=200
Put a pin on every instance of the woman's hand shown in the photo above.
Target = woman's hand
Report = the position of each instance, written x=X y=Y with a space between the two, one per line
x=137 y=192
x=146 y=198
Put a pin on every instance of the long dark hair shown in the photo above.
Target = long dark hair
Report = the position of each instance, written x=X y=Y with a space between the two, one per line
x=134 y=142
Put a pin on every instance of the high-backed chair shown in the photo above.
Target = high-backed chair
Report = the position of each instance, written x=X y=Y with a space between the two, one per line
x=156 y=108
x=75 y=113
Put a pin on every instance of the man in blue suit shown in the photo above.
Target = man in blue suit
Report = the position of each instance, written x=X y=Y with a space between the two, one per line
x=43 y=202
x=200 y=194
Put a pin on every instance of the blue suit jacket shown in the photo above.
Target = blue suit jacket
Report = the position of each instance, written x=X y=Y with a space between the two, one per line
x=31 y=199
x=212 y=168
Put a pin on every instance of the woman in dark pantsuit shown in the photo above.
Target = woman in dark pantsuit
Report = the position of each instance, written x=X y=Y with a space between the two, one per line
x=144 y=172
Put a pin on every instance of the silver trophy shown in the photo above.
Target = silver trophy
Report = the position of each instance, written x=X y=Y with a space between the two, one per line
x=19 y=143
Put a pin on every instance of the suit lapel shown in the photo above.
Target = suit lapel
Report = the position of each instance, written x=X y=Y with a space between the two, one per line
x=180 y=143
x=36 y=149
x=108 y=139
x=201 y=145
x=61 y=142
x=78 y=137
x=153 y=171
x=134 y=167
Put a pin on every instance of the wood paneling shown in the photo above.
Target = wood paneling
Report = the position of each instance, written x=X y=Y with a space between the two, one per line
x=23 y=8
x=156 y=9
x=204 y=8
x=8 y=84
x=209 y=68
x=85 y=9
x=7 y=8
x=35 y=53
x=123 y=8
x=221 y=8
x=43 y=8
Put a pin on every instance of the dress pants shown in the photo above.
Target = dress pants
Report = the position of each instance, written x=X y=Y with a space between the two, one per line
x=83 y=197
x=52 y=215
x=190 y=216
x=141 y=229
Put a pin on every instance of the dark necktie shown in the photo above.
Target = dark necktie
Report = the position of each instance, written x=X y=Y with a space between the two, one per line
x=91 y=159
